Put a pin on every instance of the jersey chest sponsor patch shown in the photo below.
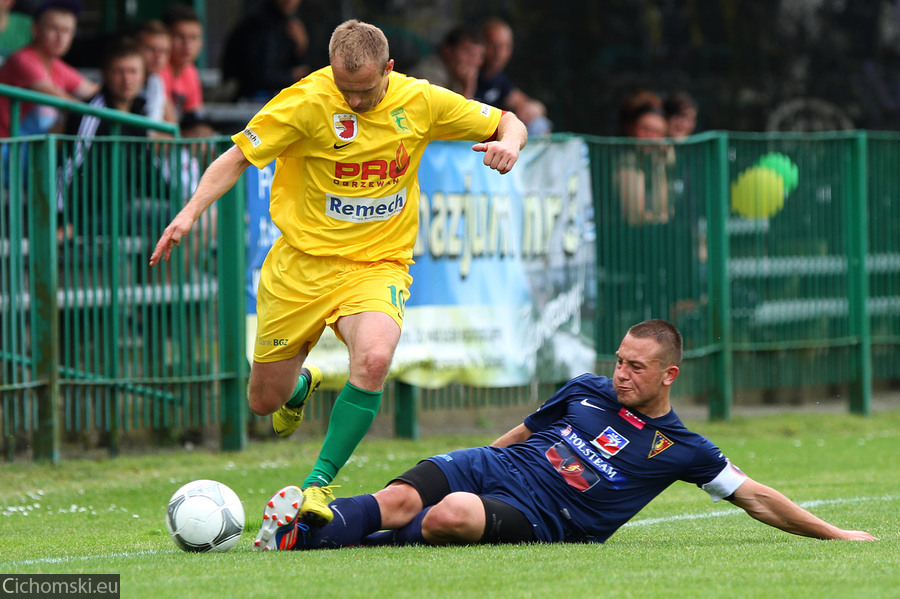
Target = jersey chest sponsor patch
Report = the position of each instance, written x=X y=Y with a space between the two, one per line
x=363 y=210
x=609 y=442
x=582 y=451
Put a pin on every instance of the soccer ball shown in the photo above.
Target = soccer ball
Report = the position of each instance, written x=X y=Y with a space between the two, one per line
x=205 y=515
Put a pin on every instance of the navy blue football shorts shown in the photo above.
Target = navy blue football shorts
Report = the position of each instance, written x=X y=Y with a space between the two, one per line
x=488 y=473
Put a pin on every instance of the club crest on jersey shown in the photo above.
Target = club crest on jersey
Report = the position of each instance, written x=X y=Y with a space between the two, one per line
x=610 y=442
x=659 y=445
x=345 y=126
x=398 y=117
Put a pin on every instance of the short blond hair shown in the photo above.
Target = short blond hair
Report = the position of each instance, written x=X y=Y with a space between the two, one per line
x=358 y=44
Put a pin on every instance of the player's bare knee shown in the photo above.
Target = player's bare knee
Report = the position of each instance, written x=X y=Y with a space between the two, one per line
x=458 y=518
x=263 y=404
x=371 y=368
x=399 y=503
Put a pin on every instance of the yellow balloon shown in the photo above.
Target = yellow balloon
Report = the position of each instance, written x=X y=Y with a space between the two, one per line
x=758 y=192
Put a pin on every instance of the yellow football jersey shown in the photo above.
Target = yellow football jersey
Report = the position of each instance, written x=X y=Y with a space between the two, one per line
x=345 y=183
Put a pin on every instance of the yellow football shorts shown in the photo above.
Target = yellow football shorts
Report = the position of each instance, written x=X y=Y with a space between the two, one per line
x=300 y=294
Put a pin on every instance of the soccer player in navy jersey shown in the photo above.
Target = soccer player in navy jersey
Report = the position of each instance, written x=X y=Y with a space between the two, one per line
x=575 y=470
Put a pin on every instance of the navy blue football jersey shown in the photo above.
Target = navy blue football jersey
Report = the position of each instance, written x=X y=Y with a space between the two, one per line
x=591 y=464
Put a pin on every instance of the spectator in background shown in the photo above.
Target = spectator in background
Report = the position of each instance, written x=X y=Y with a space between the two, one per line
x=456 y=64
x=156 y=47
x=15 y=29
x=681 y=114
x=39 y=67
x=495 y=88
x=266 y=51
x=641 y=171
x=181 y=76
x=122 y=75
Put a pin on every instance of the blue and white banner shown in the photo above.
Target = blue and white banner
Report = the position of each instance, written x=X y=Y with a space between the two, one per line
x=503 y=286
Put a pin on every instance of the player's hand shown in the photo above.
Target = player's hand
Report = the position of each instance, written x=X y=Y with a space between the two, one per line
x=856 y=535
x=172 y=236
x=498 y=155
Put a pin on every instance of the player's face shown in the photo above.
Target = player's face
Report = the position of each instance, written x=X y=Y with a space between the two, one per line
x=364 y=88
x=641 y=378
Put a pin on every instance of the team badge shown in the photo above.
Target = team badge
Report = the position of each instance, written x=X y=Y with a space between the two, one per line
x=398 y=117
x=345 y=126
x=610 y=442
x=659 y=445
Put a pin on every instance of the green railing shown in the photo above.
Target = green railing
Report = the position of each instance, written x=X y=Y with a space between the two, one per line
x=96 y=347
x=92 y=338
x=806 y=296
x=18 y=95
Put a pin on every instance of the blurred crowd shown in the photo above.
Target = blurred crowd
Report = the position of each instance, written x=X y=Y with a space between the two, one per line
x=267 y=50
x=151 y=70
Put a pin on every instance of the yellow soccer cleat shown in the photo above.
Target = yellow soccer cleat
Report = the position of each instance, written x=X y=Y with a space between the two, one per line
x=286 y=419
x=315 y=511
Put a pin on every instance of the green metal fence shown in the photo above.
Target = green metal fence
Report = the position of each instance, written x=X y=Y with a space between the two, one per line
x=94 y=341
x=767 y=295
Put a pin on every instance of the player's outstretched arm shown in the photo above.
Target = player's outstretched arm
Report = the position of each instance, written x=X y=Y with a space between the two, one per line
x=219 y=177
x=503 y=153
x=771 y=507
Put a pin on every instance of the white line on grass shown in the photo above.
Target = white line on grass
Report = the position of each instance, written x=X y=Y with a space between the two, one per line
x=79 y=558
x=643 y=522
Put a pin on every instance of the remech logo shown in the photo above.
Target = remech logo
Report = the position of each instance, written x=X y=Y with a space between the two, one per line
x=364 y=210
x=252 y=136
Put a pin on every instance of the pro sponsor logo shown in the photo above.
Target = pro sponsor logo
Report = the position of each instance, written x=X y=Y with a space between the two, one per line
x=610 y=442
x=659 y=445
x=252 y=136
x=372 y=173
x=364 y=210
x=345 y=126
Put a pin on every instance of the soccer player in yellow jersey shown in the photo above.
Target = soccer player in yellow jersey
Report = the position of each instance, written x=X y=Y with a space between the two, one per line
x=347 y=141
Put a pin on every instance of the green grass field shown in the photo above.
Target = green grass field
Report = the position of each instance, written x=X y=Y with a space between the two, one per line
x=107 y=516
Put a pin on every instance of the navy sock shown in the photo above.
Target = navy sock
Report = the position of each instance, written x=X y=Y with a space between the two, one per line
x=410 y=534
x=354 y=518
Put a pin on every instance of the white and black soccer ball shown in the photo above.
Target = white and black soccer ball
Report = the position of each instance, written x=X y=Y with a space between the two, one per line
x=205 y=515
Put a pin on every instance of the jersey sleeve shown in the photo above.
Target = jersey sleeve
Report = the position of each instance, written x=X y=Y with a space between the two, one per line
x=713 y=472
x=455 y=118
x=271 y=130
x=725 y=483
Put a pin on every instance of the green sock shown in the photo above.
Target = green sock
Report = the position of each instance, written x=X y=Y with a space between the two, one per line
x=299 y=393
x=352 y=415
